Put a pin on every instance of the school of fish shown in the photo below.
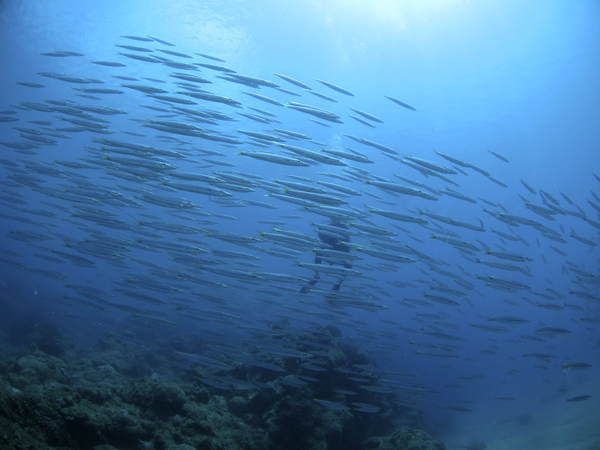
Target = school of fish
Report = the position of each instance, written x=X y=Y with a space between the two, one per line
x=148 y=200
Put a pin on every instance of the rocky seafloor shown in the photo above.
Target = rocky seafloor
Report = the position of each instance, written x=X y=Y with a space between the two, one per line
x=126 y=394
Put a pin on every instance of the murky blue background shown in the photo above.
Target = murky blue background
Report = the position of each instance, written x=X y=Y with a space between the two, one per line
x=516 y=77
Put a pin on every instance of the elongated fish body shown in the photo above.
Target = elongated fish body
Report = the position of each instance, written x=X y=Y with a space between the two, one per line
x=398 y=102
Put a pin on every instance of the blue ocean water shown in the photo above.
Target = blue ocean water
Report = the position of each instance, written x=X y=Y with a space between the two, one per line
x=511 y=77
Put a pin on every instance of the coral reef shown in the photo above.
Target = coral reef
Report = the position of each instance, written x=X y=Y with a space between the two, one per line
x=404 y=439
x=127 y=395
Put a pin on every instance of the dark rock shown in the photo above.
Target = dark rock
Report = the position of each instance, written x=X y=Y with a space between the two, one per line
x=37 y=368
x=295 y=422
x=404 y=439
x=138 y=392
x=237 y=406
x=39 y=410
x=168 y=398
x=122 y=395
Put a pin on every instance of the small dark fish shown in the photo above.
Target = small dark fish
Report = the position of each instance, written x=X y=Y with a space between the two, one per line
x=323 y=96
x=529 y=188
x=455 y=408
x=552 y=331
x=178 y=65
x=367 y=115
x=214 y=67
x=509 y=319
x=363 y=121
x=109 y=63
x=172 y=53
x=134 y=48
x=320 y=123
x=395 y=100
x=125 y=78
x=264 y=98
x=214 y=58
x=293 y=81
x=151 y=59
x=59 y=53
x=160 y=41
x=156 y=80
x=335 y=88
x=99 y=91
x=498 y=182
x=499 y=156
x=579 y=398
x=31 y=85
x=288 y=91
x=235 y=80
x=577 y=366
x=139 y=38
x=262 y=111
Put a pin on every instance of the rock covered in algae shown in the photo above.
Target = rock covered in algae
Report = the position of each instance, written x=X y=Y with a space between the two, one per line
x=404 y=439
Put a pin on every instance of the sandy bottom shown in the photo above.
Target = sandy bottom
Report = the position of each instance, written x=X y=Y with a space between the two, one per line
x=555 y=425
